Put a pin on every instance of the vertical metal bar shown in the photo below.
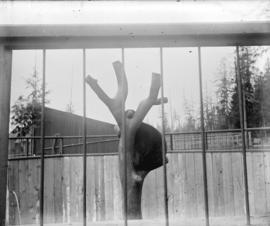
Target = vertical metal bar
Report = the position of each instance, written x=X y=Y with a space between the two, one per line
x=163 y=144
x=171 y=141
x=84 y=139
x=42 y=135
x=61 y=145
x=5 y=87
x=27 y=147
x=243 y=130
x=123 y=134
x=206 y=140
x=184 y=142
x=206 y=206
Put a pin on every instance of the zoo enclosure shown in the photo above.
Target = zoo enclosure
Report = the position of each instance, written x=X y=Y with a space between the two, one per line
x=185 y=182
x=236 y=33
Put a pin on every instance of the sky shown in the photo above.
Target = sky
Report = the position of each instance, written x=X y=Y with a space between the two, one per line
x=64 y=77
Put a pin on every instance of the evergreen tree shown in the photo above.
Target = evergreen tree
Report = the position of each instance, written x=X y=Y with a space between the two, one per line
x=265 y=95
x=258 y=100
x=223 y=95
x=247 y=69
x=190 y=120
x=26 y=112
x=210 y=114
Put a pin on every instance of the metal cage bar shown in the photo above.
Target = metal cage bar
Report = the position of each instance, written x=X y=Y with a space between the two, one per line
x=163 y=144
x=203 y=134
x=243 y=131
x=123 y=134
x=5 y=91
x=84 y=139
x=42 y=132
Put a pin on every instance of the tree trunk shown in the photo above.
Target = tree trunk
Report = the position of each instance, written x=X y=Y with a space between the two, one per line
x=134 y=179
x=142 y=150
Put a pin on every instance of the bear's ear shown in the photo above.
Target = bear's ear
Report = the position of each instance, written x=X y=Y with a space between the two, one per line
x=117 y=130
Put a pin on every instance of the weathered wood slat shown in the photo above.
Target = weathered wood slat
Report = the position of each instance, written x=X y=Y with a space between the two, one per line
x=191 y=193
x=63 y=187
x=210 y=183
x=171 y=185
x=228 y=184
x=251 y=183
x=57 y=190
x=108 y=187
x=199 y=184
x=259 y=184
x=117 y=191
x=49 y=211
x=238 y=184
x=99 y=188
x=90 y=189
x=218 y=178
x=159 y=193
x=267 y=179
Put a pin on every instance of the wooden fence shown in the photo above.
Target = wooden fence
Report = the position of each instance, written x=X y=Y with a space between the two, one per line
x=64 y=199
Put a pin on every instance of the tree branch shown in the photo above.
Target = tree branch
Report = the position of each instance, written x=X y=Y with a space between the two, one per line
x=122 y=91
x=151 y=100
x=93 y=83
x=114 y=104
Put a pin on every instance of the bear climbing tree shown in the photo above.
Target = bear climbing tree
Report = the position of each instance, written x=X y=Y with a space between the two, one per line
x=142 y=144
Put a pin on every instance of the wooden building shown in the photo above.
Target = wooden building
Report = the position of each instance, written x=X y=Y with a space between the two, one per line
x=64 y=132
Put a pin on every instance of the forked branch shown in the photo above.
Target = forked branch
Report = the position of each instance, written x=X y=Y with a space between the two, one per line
x=151 y=100
x=114 y=104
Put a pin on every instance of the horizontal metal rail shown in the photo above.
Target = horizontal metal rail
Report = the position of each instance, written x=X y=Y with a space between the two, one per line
x=169 y=133
x=239 y=150
x=79 y=144
x=178 y=142
x=62 y=156
x=219 y=131
x=63 y=137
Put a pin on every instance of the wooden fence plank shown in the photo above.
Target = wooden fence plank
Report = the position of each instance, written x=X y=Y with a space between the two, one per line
x=171 y=185
x=190 y=183
x=199 y=184
x=259 y=184
x=117 y=191
x=12 y=181
x=159 y=192
x=267 y=180
x=218 y=185
x=251 y=183
x=108 y=187
x=33 y=189
x=75 y=189
x=176 y=189
x=210 y=183
x=99 y=188
x=57 y=190
x=91 y=202
x=49 y=191
x=186 y=211
x=66 y=190
x=180 y=191
x=149 y=195
x=23 y=184
x=63 y=187
x=228 y=184
x=237 y=165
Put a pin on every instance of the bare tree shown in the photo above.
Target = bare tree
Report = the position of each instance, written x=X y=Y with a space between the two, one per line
x=142 y=144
